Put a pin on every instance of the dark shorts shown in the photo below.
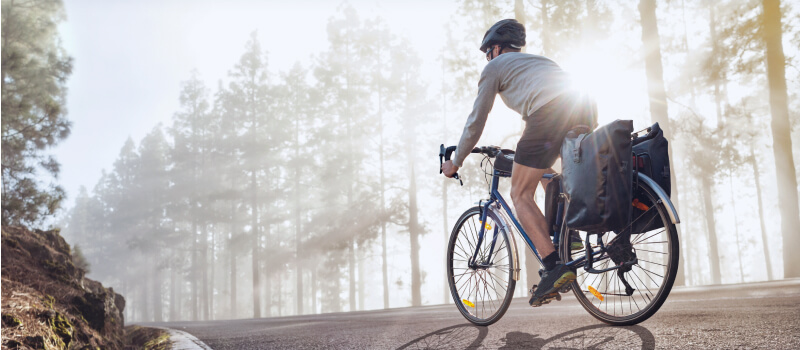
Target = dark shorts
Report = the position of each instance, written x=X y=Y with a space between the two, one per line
x=545 y=129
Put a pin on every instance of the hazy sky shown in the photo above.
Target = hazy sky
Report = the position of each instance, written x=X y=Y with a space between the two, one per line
x=130 y=57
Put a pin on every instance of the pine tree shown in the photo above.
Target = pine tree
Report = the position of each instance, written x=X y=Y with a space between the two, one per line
x=154 y=181
x=342 y=79
x=35 y=69
x=187 y=155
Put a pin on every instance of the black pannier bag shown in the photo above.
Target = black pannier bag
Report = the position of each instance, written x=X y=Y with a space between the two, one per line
x=597 y=177
x=651 y=158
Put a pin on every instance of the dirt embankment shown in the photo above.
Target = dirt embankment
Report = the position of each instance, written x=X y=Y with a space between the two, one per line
x=48 y=303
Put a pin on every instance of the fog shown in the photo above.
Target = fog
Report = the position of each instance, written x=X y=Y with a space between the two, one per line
x=264 y=159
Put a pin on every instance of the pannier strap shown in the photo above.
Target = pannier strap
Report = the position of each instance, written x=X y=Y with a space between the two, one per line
x=581 y=130
x=576 y=153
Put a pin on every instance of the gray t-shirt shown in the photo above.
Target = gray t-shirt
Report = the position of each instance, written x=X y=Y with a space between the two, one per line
x=524 y=81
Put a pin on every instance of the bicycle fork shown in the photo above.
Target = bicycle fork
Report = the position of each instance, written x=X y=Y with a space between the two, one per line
x=500 y=224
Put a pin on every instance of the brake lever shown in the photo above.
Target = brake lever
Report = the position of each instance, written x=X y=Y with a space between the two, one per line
x=444 y=155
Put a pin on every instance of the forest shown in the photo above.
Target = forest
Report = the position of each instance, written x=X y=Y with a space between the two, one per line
x=315 y=189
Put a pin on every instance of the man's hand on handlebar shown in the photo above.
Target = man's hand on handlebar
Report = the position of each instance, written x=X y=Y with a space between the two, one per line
x=448 y=169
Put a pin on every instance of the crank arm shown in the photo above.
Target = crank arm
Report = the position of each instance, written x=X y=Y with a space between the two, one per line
x=590 y=269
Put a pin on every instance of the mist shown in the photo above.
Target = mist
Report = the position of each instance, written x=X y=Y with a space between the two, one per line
x=296 y=171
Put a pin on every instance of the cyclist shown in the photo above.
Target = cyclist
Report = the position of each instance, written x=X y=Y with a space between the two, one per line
x=539 y=90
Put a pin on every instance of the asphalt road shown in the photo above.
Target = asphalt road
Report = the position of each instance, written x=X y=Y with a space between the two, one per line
x=757 y=315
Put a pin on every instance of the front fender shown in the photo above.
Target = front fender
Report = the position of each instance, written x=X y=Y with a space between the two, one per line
x=496 y=210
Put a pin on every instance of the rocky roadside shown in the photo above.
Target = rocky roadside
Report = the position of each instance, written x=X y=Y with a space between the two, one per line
x=47 y=303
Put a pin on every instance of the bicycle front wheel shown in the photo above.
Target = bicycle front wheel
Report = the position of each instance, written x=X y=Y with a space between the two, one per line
x=630 y=294
x=483 y=290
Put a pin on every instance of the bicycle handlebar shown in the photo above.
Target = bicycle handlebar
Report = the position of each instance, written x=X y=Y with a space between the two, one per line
x=446 y=152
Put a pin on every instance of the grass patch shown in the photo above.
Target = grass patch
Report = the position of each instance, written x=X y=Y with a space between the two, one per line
x=145 y=338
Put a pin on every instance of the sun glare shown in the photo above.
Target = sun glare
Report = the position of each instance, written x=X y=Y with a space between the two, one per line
x=606 y=77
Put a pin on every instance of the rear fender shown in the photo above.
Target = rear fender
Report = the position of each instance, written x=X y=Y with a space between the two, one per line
x=673 y=214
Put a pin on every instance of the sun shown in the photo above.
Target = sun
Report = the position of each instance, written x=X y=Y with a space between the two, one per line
x=617 y=88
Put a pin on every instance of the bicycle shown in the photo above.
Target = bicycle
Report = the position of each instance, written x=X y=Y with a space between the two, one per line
x=483 y=269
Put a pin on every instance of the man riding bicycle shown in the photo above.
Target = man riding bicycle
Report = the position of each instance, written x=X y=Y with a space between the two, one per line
x=539 y=90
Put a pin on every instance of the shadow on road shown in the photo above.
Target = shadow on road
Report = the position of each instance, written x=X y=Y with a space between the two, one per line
x=464 y=336
x=589 y=337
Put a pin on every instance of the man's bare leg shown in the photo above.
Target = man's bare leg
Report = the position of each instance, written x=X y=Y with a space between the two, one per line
x=524 y=181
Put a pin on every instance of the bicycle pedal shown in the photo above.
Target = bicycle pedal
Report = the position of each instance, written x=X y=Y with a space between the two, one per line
x=533 y=289
x=547 y=299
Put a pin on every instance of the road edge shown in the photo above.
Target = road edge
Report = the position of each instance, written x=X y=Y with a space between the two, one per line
x=184 y=341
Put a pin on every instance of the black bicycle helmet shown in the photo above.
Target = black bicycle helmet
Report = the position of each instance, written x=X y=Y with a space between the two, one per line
x=507 y=32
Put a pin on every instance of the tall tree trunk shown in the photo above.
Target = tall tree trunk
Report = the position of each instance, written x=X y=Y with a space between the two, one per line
x=545 y=32
x=204 y=268
x=157 y=311
x=350 y=169
x=211 y=276
x=384 y=262
x=781 y=138
x=279 y=287
x=267 y=276
x=651 y=50
x=736 y=228
x=232 y=256
x=764 y=243
x=297 y=225
x=145 y=300
x=351 y=265
x=708 y=205
x=361 y=276
x=255 y=251
x=174 y=315
x=716 y=69
x=413 y=230
x=314 y=290
x=519 y=13
x=446 y=230
x=337 y=290
x=195 y=302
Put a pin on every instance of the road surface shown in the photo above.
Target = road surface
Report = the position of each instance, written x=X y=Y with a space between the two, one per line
x=756 y=315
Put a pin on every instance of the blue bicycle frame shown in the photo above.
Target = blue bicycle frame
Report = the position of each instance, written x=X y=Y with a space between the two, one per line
x=496 y=197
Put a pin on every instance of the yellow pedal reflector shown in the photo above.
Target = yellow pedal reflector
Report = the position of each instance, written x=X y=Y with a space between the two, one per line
x=596 y=293
x=468 y=303
x=488 y=227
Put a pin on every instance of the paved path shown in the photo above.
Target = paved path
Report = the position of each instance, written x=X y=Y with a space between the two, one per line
x=757 y=315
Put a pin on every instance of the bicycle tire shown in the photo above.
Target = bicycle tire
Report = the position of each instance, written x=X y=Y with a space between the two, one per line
x=652 y=301
x=459 y=249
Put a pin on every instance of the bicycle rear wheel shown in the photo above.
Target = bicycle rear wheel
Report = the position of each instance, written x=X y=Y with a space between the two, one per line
x=655 y=247
x=482 y=293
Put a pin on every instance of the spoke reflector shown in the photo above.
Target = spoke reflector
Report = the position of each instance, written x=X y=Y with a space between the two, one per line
x=596 y=293
x=468 y=303
x=640 y=205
